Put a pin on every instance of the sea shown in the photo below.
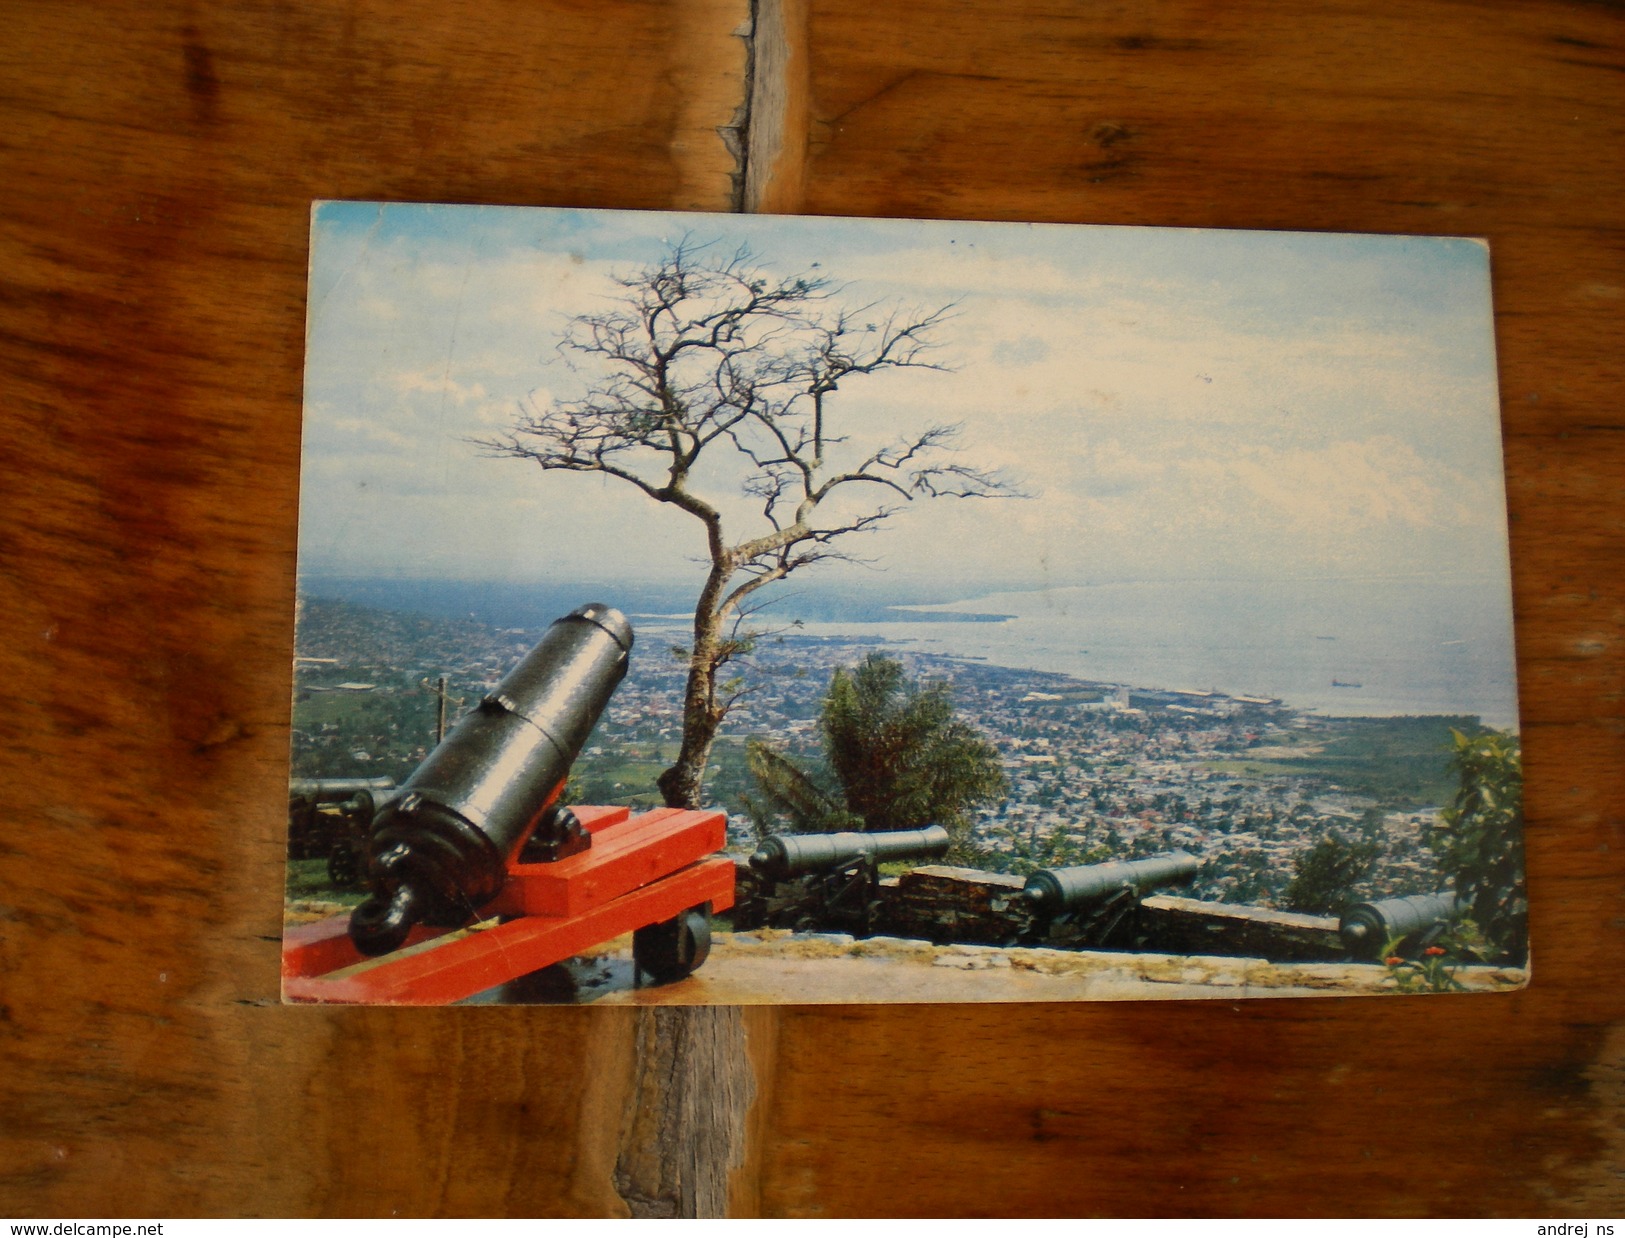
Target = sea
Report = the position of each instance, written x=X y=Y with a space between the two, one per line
x=1340 y=647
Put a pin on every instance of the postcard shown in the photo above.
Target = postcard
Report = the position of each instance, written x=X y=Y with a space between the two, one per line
x=734 y=609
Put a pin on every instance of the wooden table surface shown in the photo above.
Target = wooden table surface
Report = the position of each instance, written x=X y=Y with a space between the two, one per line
x=159 y=160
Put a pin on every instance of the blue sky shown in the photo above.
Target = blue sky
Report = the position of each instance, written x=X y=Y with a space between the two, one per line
x=1181 y=404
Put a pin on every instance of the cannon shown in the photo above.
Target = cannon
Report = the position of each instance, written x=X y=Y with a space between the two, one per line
x=793 y=855
x=332 y=818
x=474 y=855
x=439 y=851
x=334 y=790
x=1086 y=905
x=1415 y=920
x=828 y=881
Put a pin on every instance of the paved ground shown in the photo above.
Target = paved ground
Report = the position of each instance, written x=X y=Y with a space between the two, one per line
x=781 y=968
x=774 y=967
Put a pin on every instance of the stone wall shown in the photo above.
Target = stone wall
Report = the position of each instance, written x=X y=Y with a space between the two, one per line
x=1186 y=926
x=942 y=904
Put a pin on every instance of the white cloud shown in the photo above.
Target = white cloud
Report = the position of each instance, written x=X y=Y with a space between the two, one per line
x=372 y=431
x=440 y=384
x=1377 y=482
x=1170 y=401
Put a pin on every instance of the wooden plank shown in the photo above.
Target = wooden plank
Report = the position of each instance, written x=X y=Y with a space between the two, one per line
x=151 y=309
x=469 y=961
x=151 y=330
x=1310 y=116
x=1289 y=115
x=622 y=858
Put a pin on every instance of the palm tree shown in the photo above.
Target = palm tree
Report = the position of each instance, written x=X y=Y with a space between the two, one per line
x=897 y=757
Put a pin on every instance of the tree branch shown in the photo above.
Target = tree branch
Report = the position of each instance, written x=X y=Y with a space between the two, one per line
x=709 y=366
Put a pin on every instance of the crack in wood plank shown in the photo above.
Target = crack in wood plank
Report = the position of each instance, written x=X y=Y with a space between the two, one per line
x=686 y=1121
x=692 y=1107
x=773 y=149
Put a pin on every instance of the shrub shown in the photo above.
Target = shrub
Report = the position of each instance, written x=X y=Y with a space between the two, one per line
x=1479 y=840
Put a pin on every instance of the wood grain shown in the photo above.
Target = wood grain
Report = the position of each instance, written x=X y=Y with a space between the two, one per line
x=159 y=161
x=1426 y=119
x=151 y=328
x=778 y=129
x=686 y=1129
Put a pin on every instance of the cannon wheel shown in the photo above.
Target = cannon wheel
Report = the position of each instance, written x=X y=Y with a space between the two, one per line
x=342 y=868
x=672 y=949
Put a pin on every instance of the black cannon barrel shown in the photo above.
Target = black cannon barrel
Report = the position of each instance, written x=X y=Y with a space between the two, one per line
x=789 y=855
x=441 y=847
x=1367 y=927
x=1054 y=890
x=365 y=806
x=334 y=790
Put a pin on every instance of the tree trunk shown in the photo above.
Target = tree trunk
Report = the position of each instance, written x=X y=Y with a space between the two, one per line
x=680 y=785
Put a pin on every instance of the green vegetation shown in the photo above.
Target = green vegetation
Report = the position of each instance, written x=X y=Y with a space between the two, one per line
x=1435 y=968
x=308 y=879
x=624 y=774
x=1061 y=848
x=1324 y=877
x=1479 y=839
x=1434 y=972
x=393 y=726
x=895 y=758
x=1403 y=762
x=622 y=771
x=1260 y=769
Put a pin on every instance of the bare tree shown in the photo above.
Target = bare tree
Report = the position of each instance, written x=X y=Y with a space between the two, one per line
x=709 y=357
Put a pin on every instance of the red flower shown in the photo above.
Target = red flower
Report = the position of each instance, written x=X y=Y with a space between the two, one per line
x=1434 y=950
x=1393 y=960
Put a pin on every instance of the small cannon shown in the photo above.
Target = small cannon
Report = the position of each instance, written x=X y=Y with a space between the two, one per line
x=1085 y=905
x=793 y=855
x=475 y=865
x=332 y=818
x=334 y=790
x=1416 y=920
x=828 y=881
